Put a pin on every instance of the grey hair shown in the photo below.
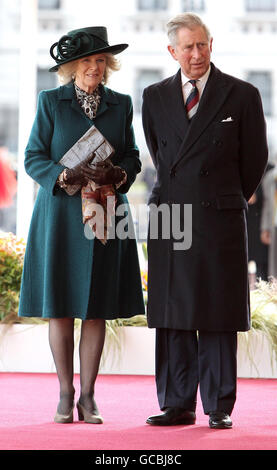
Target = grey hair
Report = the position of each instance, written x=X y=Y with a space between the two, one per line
x=185 y=20
x=66 y=72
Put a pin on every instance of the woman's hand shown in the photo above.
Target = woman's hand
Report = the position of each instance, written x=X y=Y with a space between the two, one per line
x=104 y=173
x=76 y=175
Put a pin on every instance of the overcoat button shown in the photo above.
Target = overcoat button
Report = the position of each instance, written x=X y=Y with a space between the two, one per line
x=205 y=204
x=218 y=143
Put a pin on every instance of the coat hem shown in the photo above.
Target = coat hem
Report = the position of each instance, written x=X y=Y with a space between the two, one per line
x=82 y=317
x=217 y=329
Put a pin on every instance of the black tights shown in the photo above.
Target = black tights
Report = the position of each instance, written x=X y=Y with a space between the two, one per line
x=61 y=339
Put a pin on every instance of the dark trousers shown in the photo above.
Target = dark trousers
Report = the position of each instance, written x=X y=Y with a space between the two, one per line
x=186 y=359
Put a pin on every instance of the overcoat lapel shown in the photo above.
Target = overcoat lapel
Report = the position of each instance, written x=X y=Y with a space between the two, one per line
x=108 y=98
x=215 y=94
x=174 y=106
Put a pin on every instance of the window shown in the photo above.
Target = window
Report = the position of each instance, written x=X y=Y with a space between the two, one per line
x=152 y=4
x=144 y=79
x=260 y=5
x=193 y=5
x=49 y=4
x=45 y=80
x=263 y=81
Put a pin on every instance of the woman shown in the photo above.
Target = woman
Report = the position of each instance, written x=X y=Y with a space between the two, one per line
x=66 y=274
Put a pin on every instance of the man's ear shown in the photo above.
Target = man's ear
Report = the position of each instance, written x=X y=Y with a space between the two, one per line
x=172 y=52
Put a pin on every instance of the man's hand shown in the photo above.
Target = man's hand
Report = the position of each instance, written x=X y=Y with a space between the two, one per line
x=266 y=237
x=253 y=199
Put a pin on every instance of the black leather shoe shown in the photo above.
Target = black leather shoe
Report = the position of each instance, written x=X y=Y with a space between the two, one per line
x=172 y=417
x=220 y=420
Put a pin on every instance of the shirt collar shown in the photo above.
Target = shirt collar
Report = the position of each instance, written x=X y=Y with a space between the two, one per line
x=203 y=80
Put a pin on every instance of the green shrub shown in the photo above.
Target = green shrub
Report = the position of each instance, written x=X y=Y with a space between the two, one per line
x=11 y=264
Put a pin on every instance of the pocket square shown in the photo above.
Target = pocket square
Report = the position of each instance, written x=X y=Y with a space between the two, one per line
x=229 y=119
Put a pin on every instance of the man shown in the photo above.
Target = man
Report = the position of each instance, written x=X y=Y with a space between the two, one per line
x=205 y=131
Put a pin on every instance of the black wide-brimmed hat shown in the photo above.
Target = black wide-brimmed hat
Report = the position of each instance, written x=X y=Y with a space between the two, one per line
x=81 y=43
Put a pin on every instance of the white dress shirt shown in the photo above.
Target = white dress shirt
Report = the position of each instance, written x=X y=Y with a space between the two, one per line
x=200 y=83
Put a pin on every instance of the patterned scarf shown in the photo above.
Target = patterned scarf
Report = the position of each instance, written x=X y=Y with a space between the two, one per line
x=88 y=102
x=98 y=208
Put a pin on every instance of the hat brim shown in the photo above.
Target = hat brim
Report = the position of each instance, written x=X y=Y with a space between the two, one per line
x=111 y=49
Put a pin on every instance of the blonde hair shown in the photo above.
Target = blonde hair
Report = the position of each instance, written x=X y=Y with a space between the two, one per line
x=66 y=72
x=184 y=20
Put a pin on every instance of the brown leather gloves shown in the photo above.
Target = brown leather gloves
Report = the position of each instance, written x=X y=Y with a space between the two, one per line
x=101 y=173
x=104 y=173
x=75 y=176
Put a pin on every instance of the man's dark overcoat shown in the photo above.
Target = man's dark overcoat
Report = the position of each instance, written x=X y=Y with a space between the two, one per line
x=214 y=163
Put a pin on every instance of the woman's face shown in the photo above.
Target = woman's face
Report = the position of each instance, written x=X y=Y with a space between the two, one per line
x=90 y=71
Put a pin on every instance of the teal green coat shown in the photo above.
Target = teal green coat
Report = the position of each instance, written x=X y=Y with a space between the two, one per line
x=65 y=274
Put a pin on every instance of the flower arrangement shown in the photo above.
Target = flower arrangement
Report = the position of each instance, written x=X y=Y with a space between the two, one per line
x=11 y=264
x=263 y=302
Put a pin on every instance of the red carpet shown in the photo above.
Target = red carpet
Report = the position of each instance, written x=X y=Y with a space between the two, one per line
x=28 y=405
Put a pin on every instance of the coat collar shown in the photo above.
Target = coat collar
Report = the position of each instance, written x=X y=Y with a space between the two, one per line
x=215 y=94
x=108 y=98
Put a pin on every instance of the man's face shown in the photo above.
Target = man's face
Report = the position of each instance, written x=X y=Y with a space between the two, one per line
x=192 y=51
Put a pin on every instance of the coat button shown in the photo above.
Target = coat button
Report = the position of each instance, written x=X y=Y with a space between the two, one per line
x=204 y=173
x=205 y=204
x=164 y=142
x=218 y=143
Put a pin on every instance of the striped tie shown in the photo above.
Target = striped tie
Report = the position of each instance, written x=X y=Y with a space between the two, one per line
x=193 y=100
